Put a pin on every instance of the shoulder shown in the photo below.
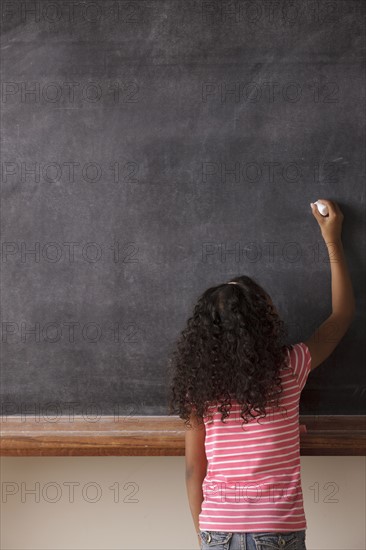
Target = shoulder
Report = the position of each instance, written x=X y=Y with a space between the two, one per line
x=299 y=351
x=300 y=361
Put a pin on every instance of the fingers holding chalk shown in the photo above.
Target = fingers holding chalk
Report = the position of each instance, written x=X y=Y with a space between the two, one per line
x=322 y=208
x=316 y=212
x=330 y=223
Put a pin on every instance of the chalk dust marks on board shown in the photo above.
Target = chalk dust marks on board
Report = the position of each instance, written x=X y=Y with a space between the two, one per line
x=259 y=70
x=326 y=158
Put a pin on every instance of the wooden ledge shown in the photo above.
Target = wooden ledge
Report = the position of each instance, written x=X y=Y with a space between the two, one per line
x=158 y=436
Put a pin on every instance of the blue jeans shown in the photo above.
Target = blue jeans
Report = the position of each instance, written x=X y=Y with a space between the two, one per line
x=221 y=540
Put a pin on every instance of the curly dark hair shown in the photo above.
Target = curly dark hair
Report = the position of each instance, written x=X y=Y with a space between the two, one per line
x=232 y=347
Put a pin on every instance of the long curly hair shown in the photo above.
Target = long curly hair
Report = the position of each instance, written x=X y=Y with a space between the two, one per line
x=231 y=348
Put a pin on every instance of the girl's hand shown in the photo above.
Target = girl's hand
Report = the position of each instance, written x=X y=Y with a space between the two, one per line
x=331 y=225
x=199 y=542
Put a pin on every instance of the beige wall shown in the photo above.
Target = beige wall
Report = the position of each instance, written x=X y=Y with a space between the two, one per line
x=151 y=511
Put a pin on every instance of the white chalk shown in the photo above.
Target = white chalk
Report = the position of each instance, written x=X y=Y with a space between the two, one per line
x=323 y=209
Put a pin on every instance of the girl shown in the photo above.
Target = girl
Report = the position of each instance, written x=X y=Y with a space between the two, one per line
x=237 y=386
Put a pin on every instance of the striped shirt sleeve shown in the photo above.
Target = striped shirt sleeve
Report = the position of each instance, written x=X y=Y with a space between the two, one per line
x=301 y=362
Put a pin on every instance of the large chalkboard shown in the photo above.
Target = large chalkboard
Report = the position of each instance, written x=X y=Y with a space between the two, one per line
x=151 y=149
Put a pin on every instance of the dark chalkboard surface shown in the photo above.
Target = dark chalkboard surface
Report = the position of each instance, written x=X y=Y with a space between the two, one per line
x=151 y=149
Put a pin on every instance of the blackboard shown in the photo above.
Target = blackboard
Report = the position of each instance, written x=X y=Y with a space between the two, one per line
x=151 y=149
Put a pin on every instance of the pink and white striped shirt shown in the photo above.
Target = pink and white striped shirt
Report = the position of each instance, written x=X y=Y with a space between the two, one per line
x=253 y=480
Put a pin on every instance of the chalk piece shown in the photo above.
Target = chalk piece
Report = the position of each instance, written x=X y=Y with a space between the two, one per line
x=322 y=208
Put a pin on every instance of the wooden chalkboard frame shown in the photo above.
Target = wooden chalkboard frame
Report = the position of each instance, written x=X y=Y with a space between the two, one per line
x=158 y=436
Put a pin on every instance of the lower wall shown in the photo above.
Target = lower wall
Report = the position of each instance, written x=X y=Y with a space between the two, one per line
x=140 y=503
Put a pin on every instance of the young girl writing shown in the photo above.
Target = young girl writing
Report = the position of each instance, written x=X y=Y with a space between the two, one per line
x=237 y=386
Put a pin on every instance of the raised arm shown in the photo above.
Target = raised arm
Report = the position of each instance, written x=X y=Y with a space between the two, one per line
x=327 y=336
